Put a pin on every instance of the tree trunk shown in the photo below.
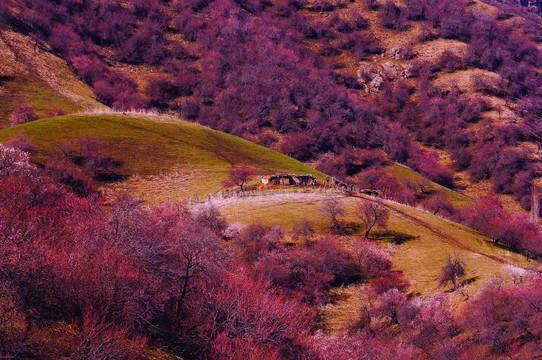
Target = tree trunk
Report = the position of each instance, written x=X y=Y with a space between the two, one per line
x=180 y=301
x=368 y=231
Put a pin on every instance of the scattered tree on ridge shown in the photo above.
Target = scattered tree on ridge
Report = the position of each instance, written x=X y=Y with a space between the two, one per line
x=372 y=214
x=452 y=272
x=239 y=176
x=303 y=231
x=333 y=208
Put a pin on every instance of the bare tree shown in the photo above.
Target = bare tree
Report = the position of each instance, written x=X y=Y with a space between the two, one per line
x=439 y=204
x=94 y=158
x=209 y=216
x=333 y=208
x=452 y=272
x=90 y=155
x=370 y=258
x=303 y=231
x=372 y=214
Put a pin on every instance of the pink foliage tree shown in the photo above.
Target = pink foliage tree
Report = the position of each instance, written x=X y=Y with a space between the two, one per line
x=239 y=175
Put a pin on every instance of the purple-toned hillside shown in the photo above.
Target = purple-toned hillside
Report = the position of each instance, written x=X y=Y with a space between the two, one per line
x=410 y=117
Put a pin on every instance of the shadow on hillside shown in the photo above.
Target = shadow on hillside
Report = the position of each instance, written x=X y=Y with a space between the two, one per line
x=395 y=237
x=109 y=177
x=4 y=79
x=463 y=283
x=350 y=228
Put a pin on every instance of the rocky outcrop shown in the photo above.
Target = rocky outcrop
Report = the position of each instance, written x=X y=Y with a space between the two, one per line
x=373 y=75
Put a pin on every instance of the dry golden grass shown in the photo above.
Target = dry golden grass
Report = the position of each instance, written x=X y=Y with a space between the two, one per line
x=465 y=79
x=431 y=50
x=390 y=39
x=340 y=315
x=50 y=69
x=141 y=74
x=419 y=259
x=9 y=66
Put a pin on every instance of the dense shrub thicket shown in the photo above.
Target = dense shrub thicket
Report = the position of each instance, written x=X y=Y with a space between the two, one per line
x=83 y=280
x=245 y=67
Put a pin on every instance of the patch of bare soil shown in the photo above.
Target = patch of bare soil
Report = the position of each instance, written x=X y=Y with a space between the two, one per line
x=389 y=38
x=431 y=50
x=466 y=79
x=141 y=74
x=477 y=189
x=9 y=66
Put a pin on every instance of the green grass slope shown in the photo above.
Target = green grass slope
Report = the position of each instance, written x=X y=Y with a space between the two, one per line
x=30 y=91
x=31 y=74
x=403 y=172
x=164 y=157
x=170 y=158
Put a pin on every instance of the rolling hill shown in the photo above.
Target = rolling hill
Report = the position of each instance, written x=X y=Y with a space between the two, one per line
x=167 y=158
x=162 y=157
x=427 y=105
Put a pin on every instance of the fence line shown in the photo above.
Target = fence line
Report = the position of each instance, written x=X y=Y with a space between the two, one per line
x=238 y=194
x=226 y=194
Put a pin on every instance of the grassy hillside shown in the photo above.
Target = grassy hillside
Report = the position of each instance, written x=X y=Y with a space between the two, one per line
x=431 y=239
x=403 y=172
x=164 y=157
x=32 y=92
x=168 y=158
x=31 y=75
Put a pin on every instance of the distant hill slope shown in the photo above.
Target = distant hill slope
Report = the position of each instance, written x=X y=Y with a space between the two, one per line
x=32 y=75
x=163 y=157
x=451 y=82
x=402 y=172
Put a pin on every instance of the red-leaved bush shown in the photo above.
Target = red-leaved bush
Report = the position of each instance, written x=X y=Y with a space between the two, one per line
x=114 y=281
x=488 y=216
x=22 y=114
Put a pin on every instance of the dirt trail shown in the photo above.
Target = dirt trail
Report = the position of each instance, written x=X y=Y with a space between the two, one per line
x=446 y=237
x=443 y=235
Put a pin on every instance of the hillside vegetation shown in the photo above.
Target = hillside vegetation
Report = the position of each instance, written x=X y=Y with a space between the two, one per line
x=429 y=239
x=419 y=243
x=31 y=74
x=162 y=157
x=125 y=264
x=450 y=89
x=134 y=225
x=167 y=158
